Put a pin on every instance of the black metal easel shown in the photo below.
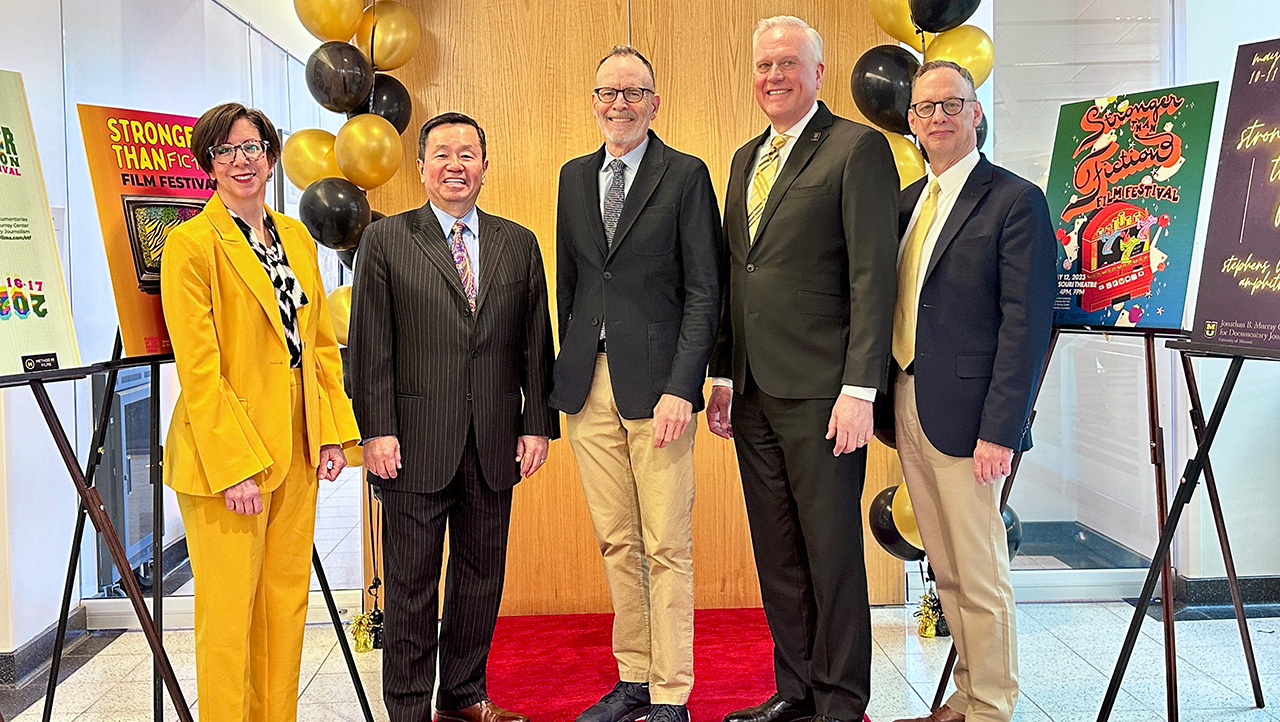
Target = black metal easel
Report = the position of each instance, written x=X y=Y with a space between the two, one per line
x=1205 y=433
x=92 y=508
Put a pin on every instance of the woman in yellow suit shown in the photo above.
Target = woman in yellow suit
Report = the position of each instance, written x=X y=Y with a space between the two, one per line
x=262 y=417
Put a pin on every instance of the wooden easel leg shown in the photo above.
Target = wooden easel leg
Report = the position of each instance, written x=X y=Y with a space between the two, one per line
x=1211 y=486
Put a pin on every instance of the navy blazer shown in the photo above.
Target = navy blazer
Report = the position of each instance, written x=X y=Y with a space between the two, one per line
x=657 y=287
x=985 y=314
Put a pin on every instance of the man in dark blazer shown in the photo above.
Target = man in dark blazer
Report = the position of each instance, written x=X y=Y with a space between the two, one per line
x=637 y=236
x=809 y=218
x=976 y=283
x=451 y=351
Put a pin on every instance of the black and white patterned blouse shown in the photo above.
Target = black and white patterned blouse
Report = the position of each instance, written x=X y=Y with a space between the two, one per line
x=289 y=294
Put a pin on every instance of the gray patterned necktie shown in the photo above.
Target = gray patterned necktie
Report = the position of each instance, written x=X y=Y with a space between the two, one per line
x=613 y=198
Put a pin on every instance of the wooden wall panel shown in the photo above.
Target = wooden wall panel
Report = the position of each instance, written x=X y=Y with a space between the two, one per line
x=525 y=72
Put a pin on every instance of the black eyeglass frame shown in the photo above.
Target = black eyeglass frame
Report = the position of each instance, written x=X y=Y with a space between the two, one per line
x=627 y=94
x=231 y=154
x=932 y=105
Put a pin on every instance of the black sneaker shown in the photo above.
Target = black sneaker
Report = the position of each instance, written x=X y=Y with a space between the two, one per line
x=626 y=702
x=668 y=713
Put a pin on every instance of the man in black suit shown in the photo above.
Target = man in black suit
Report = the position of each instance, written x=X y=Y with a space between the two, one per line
x=637 y=237
x=451 y=351
x=976 y=283
x=809 y=217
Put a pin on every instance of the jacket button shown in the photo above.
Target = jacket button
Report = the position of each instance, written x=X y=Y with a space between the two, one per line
x=595 y=322
x=468 y=397
x=466 y=312
x=474 y=353
x=608 y=275
x=751 y=267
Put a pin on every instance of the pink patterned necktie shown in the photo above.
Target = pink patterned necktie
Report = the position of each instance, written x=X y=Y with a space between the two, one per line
x=462 y=262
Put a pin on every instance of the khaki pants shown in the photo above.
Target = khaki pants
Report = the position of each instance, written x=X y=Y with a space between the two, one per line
x=252 y=575
x=641 y=502
x=964 y=537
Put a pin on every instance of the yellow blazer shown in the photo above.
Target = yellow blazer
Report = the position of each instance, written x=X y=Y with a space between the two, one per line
x=232 y=419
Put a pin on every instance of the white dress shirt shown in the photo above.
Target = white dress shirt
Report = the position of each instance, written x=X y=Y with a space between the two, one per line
x=865 y=393
x=632 y=160
x=470 y=236
x=949 y=185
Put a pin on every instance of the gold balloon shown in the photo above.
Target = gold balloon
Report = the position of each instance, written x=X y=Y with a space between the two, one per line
x=904 y=517
x=368 y=150
x=340 y=312
x=307 y=157
x=907 y=157
x=967 y=46
x=392 y=31
x=894 y=17
x=330 y=19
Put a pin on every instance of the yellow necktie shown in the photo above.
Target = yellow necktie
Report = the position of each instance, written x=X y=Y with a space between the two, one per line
x=904 y=311
x=762 y=183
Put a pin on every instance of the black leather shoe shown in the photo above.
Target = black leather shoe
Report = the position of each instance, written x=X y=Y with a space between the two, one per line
x=668 y=713
x=774 y=709
x=626 y=702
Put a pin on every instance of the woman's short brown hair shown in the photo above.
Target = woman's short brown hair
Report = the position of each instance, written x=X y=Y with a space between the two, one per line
x=214 y=127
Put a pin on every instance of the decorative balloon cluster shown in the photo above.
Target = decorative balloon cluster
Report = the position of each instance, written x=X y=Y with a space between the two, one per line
x=881 y=79
x=335 y=171
x=892 y=519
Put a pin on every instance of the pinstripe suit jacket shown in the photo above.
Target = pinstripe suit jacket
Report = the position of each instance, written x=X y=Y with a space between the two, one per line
x=425 y=368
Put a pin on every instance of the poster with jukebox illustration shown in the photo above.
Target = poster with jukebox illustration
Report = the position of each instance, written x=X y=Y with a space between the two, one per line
x=1124 y=191
x=1238 y=304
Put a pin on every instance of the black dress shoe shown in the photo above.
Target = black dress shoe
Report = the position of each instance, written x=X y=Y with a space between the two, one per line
x=774 y=709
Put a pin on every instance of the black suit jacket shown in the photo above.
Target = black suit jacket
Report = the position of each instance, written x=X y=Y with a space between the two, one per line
x=985 y=314
x=425 y=369
x=810 y=302
x=657 y=288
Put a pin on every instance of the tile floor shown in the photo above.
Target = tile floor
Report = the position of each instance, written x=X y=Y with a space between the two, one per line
x=1066 y=655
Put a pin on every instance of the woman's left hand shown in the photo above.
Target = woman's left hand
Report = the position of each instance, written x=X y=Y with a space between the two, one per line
x=332 y=461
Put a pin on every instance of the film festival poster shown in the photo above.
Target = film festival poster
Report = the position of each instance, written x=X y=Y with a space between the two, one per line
x=36 y=331
x=145 y=182
x=1124 y=191
x=1238 y=304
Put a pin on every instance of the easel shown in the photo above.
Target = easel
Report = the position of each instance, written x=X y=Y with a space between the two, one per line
x=1161 y=566
x=1204 y=433
x=92 y=508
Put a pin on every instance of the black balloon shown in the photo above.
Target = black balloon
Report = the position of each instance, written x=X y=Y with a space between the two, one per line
x=339 y=76
x=982 y=131
x=348 y=256
x=335 y=211
x=880 y=519
x=1012 y=530
x=939 y=16
x=881 y=86
x=390 y=99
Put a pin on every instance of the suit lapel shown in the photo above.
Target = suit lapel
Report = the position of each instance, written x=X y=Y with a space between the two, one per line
x=245 y=261
x=975 y=188
x=429 y=237
x=590 y=176
x=651 y=169
x=492 y=248
x=805 y=146
x=742 y=169
x=907 y=206
x=297 y=253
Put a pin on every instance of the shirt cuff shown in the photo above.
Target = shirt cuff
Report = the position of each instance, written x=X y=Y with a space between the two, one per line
x=721 y=381
x=859 y=392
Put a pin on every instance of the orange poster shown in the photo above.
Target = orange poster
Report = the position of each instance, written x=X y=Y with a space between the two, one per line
x=145 y=182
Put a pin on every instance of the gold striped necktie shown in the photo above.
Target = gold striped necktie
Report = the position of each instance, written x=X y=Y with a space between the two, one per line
x=904 y=311
x=762 y=183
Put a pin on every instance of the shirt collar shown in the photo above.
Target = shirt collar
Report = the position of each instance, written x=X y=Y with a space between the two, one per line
x=268 y=225
x=632 y=157
x=954 y=177
x=471 y=220
x=795 y=130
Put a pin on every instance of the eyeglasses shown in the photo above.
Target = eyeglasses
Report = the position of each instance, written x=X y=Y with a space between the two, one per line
x=226 y=153
x=631 y=95
x=950 y=106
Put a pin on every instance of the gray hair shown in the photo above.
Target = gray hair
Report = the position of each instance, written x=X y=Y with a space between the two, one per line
x=628 y=51
x=813 y=39
x=939 y=65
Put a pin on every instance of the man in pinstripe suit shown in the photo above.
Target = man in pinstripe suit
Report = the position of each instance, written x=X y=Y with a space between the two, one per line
x=451 y=350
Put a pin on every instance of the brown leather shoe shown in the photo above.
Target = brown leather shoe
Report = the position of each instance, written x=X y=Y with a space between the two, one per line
x=942 y=714
x=483 y=711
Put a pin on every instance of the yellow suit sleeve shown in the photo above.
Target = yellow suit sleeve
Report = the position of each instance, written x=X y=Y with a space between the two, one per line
x=228 y=448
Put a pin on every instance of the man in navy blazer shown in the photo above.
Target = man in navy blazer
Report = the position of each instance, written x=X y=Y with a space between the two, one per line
x=638 y=291
x=972 y=321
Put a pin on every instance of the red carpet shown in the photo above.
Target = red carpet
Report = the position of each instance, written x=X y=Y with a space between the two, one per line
x=553 y=667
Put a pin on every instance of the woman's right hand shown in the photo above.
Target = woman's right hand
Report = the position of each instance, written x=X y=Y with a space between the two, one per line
x=244 y=498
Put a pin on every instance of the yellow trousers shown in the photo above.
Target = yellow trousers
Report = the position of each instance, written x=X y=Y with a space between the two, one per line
x=252 y=576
